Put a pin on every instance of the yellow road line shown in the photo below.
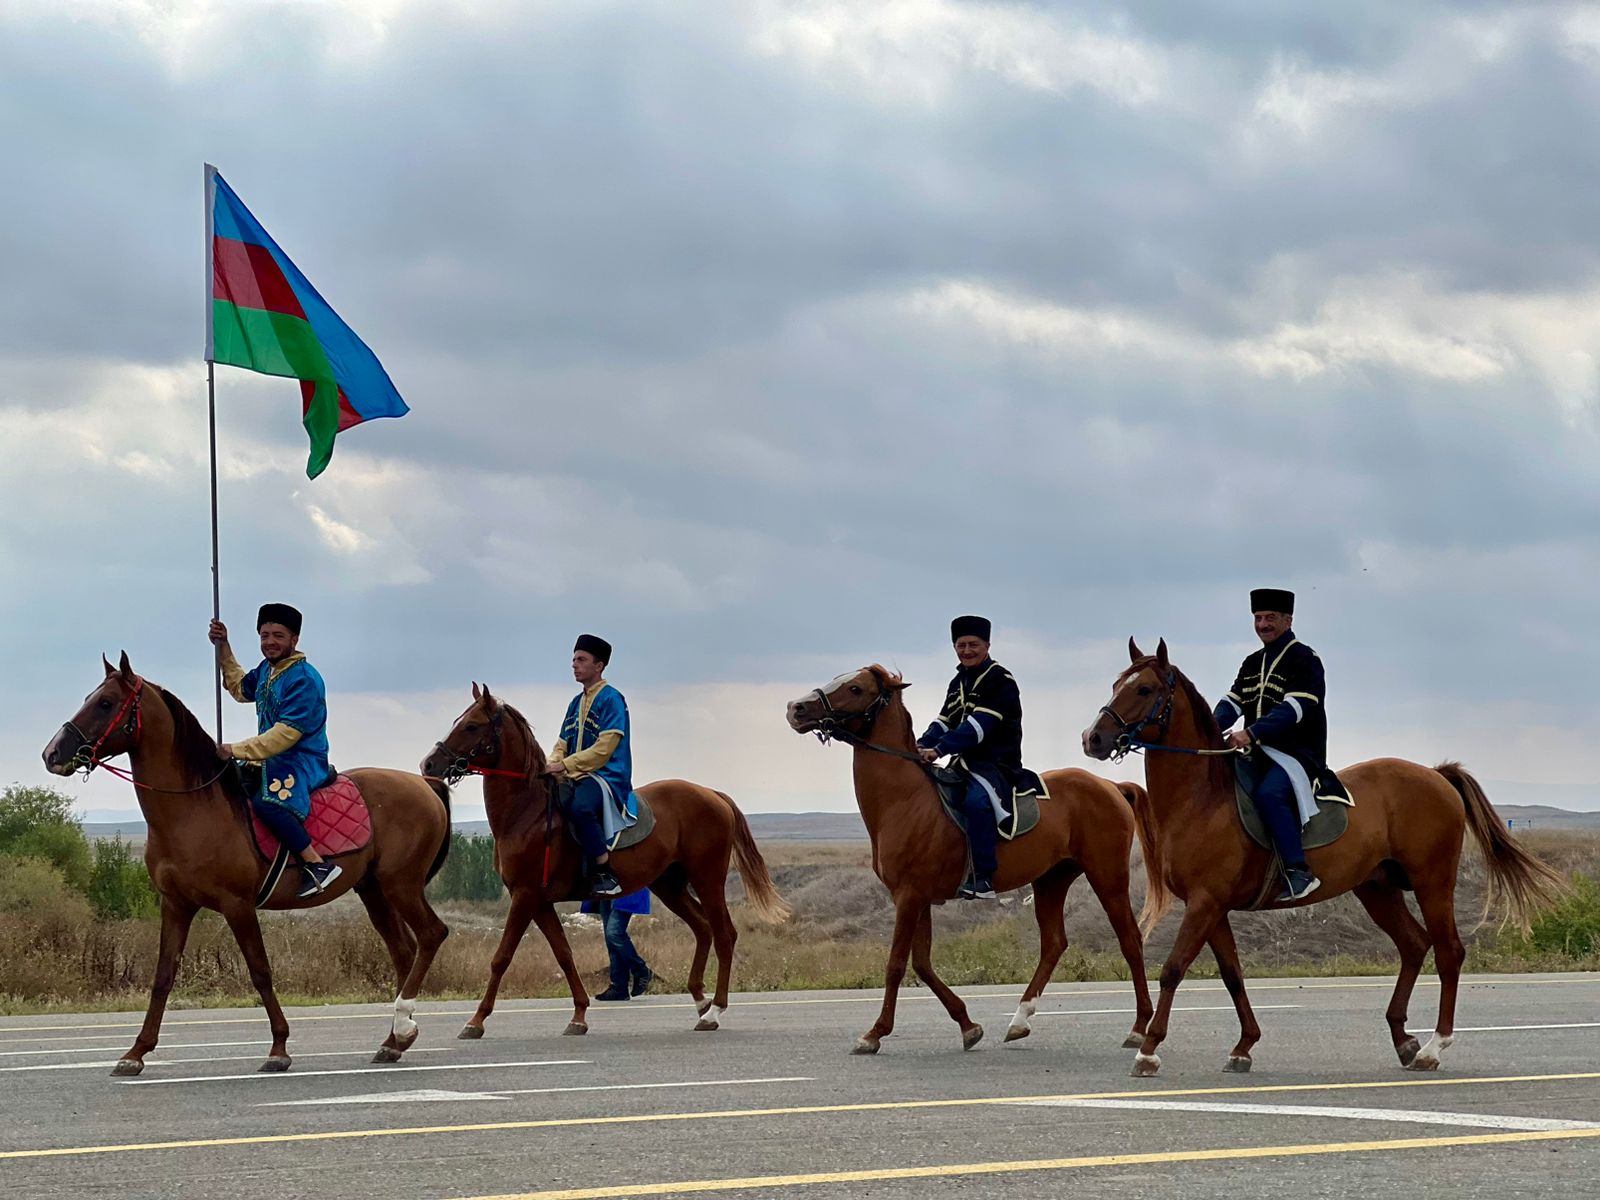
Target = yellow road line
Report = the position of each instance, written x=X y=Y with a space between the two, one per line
x=1281 y=986
x=334 y=1135
x=882 y=1174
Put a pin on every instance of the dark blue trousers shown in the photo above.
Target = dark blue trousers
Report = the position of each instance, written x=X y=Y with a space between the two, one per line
x=627 y=964
x=1274 y=797
x=584 y=813
x=981 y=834
x=284 y=825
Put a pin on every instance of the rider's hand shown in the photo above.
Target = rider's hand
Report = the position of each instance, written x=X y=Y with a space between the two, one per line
x=218 y=634
x=555 y=766
x=224 y=751
x=929 y=754
x=1240 y=739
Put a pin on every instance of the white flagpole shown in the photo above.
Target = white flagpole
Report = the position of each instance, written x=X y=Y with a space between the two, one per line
x=211 y=406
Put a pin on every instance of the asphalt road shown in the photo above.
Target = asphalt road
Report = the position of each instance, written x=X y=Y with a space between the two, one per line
x=773 y=1105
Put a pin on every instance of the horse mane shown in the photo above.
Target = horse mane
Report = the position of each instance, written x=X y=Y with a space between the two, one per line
x=1218 y=766
x=196 y=750
x=888 y=679
x=539 y=758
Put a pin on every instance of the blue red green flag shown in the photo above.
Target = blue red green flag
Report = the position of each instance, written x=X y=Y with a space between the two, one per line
x=265 y=316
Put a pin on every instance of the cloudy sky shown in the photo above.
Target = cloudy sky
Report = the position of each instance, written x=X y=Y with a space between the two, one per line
x=764 y=337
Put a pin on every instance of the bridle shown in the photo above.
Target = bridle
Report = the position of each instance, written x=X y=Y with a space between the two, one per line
x=1130 y=737
x=487 y=746
x=129 y=719
x=834 y=725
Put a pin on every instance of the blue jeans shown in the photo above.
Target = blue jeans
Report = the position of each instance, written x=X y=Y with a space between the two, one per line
x=282 y=823
x=1274 y=798
x=981 y=834
x=626 y=962
x=584 y=813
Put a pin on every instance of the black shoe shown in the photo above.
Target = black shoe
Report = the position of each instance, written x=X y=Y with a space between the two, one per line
x=977 y=887
x=642 y=981
x=615 y=992
x=1299 y=883
x=317 y=877
x=605 y=884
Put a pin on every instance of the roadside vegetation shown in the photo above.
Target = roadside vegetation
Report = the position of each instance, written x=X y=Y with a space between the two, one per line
x=78 y=929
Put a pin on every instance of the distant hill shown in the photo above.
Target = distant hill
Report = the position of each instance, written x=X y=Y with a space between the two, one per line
x=847 y=827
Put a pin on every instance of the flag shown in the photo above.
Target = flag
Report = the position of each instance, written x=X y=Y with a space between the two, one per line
x=264 y=315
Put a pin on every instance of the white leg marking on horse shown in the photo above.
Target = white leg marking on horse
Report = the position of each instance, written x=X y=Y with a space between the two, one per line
x=404 y=1010
x=1428 y=1057
x=1024 y=1014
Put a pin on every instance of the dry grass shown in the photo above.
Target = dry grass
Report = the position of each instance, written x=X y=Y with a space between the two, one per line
x=57 y=956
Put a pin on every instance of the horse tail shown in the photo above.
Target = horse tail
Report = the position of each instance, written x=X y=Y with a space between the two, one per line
x=758 y=885
x=1519 y=884
x=1157 y=899
x=441 y=789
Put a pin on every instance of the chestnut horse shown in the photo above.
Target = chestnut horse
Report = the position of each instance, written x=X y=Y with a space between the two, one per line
x=1085 y=828
x=1405 y=833
x=697 y=832
x=201 y=853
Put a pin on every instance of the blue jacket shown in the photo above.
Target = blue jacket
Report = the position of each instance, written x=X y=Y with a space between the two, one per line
x=297 y=698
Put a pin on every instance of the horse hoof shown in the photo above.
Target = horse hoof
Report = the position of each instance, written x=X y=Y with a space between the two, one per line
x=1133 y=1041
x=1146 y=1065
x=1238 y=1064
x=573 y=1029
x=1017 y=1032
x=275 y=1064
x=705 y=1025
x=128 y=1066
x=1423 y=1062
x=387 y=1054
x=1408 y=1051
x=470 y=1033
x=866 y=1046
x=971 y=1037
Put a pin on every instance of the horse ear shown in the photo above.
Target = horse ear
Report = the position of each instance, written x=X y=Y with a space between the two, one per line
x=476 y=694
x=110 y=670
x=125 y=669
x=1134 y=654
x=487 y=698
x=1161 y=655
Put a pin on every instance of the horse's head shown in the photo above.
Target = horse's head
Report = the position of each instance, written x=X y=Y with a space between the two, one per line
x=473 y=741
x=847 y=705
x=107 y=725
x=1140 y=708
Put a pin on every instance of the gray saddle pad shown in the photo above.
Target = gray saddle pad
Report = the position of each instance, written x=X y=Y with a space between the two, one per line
x=1328 y=826
x=640 y=829
x=952 y=789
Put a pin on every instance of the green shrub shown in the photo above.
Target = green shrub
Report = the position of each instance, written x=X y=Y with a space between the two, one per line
x=119 y=884
x=468 y=873
x=1572 y=928
x=35 y=888
x=37 y=822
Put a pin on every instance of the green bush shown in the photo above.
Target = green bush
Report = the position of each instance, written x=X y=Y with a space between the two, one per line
x=468 y=873
x=1573 y=927
x=119 y=884
x=33 y=888
x=37 y=822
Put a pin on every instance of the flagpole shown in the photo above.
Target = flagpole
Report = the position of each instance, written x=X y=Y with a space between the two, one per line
x=211 y=413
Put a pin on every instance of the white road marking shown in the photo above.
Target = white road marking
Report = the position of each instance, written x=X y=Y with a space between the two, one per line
x=387 y=1069
x=169 y=1062
x=671 y=1005
x=428 y=1094
x=1510 y=1028
x=1128 y=1012
x=1394 y=1115
x=124 y=1046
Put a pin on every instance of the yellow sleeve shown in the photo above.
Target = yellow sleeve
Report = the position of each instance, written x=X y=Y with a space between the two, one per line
x=274 y=741
x=233 y=676
x=559 y=750
x=587 y=762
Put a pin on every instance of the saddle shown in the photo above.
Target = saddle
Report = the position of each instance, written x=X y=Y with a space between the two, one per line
x=339 y=822
x=951 y=784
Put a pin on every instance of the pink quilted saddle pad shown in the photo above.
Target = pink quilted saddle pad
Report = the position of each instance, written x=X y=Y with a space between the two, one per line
x=338 y=823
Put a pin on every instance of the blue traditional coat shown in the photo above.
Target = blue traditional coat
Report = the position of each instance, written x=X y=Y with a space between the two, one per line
x=608 y=711
x=297 y=698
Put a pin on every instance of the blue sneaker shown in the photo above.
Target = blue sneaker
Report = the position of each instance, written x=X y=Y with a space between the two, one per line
x=977 y=887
